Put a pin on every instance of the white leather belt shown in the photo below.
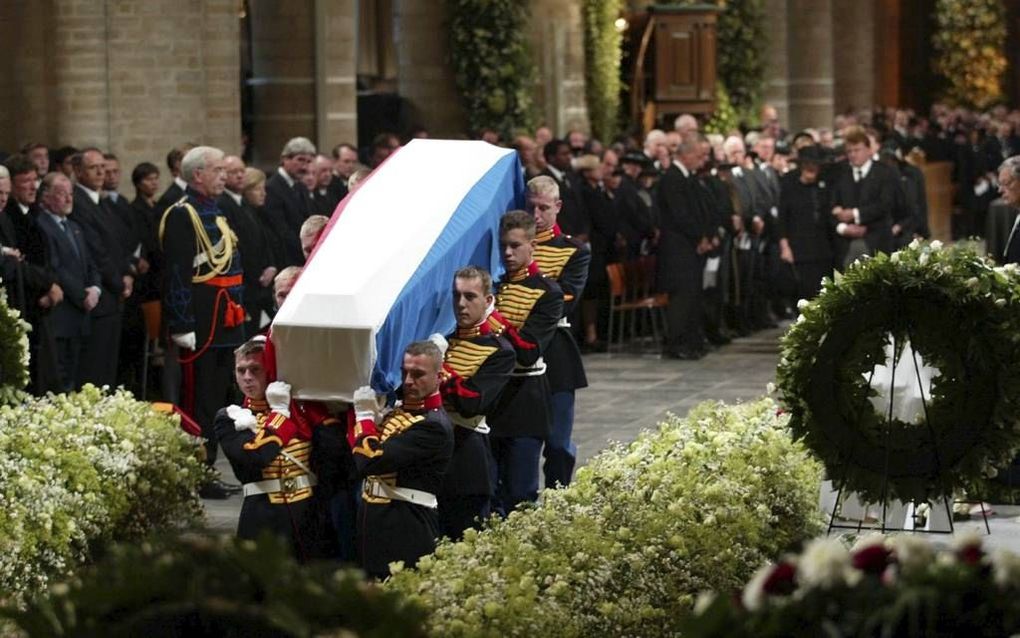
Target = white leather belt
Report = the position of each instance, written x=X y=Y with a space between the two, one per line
x=378 y=489
x=476 y=423
x=285 y=485
x=563 y=323
x=536 y=370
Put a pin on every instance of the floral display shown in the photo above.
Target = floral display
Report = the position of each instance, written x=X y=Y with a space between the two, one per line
x=624 y=550
x=13 y=352
x=883 y=586
x=79 y=470
x=200 y=586
x=960 y=315
x=602 y=56
x=970 y=51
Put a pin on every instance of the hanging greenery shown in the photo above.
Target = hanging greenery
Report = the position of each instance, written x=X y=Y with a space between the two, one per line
x=725 y=120
x=969 y=41
x=602 y=54
x=492 y=65
x=741 y=53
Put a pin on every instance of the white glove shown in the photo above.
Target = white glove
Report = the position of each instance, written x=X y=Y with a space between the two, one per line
x=184 y=340
x=278 y=397
x=366 y=407
x=243 y=418
x=440 y=342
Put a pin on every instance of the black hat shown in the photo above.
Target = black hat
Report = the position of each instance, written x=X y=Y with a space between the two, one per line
x=811 y=155
x=636 y=158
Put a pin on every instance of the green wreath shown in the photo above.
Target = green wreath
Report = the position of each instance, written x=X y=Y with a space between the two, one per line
x=13 y=353
x=961 y=315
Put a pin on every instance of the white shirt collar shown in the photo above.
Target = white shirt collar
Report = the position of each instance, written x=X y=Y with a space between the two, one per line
x=234 y=196
x=557 y=173
x=93 y=195
x=287 y=178
x=864 y=168
x=737 y=171
x=56 y=218
x=683 y=169
x=24 y=209
x=180 y=182
x=113 y=195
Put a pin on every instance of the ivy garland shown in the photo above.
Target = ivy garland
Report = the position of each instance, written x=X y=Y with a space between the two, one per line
x=13 y=353
x=602 y=54
x=962 y=316
x=492 y=65
x=969 y=41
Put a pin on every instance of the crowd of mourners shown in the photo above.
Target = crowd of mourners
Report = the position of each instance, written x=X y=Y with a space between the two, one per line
x=727 y=230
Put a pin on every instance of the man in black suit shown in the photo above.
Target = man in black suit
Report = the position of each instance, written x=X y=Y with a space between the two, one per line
x=345 y=162
x=324 y=198
x=175 y=191
x=682 y=247
x=1009 y=188
x=863 y=197
x=109 y=243
x=573 y=218
x=75 y=271
x=35 y=290
x=287 y=200
x=10 y=256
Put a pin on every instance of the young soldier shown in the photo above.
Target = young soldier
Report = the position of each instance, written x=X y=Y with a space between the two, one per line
x=268 y=441
x=478 y=362
x=530 y=306
x=402 y=458
x=564 y=260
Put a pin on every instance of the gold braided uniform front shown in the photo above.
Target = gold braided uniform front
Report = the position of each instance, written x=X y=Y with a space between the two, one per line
x=282 y=467
x=398 y=421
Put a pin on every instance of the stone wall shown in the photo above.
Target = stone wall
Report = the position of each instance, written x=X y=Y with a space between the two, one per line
x=557 y=44
x=134 y=78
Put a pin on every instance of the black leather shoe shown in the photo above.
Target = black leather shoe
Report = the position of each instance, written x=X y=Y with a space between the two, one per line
x=217 y=490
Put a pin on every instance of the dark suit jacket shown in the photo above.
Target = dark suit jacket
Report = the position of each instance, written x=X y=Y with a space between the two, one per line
x=287 y=208
x=75 y=271
x=573 y=218
x=874 y=197
x=110 y=246
x=36 y=273
x=338 y=189
x=170 y=196
x=682 y=224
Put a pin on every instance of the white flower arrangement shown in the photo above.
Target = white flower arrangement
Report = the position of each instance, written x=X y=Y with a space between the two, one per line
x=86 y=467
x=13 y=352
x=625 y=550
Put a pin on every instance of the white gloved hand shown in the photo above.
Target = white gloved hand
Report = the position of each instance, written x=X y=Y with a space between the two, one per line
x=366 y=407
x=278 y=397
x=184 y=340
x=243 y=418
x=440 y=342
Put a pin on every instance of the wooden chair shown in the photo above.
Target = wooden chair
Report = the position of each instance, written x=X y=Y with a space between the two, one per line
x=629 y=292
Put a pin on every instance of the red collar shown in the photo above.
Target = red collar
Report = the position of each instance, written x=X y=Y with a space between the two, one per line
x=431 y=402
x=548 y=235
x=255 y=405
x=522 y=274
x=481 y=329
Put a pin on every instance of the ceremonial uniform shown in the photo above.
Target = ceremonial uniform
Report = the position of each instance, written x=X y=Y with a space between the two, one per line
x=202 y=289
x=530 y=305
x=272 y=455
x=477 y=365
x=564 y=260
x=402 y=462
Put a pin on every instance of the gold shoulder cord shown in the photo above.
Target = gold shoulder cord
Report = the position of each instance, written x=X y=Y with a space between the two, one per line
x=220 y=255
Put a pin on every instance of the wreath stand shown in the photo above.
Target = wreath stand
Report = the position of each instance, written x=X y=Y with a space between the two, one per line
x=911 y=506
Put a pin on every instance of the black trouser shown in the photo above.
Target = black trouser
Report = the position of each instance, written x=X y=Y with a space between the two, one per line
x=69 y=354
x=459 y=512
x=684 y=316
x=205 y=388
x=102 y=351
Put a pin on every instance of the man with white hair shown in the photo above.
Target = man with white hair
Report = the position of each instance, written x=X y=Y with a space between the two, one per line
x=288 y=203
x=203 y=286
x=685 y=123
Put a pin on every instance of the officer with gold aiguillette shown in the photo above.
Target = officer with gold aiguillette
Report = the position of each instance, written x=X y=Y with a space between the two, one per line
x=478 y=362
x=402 y=457
x=202 y=291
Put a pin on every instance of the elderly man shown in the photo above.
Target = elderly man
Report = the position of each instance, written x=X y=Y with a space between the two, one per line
x=323 y=198
x=288 y=203
x=283 y=283
x=76 y=272
x=310 y=233
x=203 y=285
x=1009 y=186
x=402 y=457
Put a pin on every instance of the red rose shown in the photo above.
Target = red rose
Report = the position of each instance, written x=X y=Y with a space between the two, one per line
x=872 y=559
x=782 y=580
x=970 y=554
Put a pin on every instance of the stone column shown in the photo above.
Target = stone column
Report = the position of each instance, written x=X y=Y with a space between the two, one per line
x=809 y=39
x=557 y=45
x=777 y=68
x=424 y=76
x=283 y=76
x=853 y=48
x=336 y=96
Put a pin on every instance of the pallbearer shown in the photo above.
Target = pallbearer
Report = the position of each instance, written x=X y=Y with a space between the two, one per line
x=478 y=363
x=530 y=305
x=402 y=458
x=564 y=260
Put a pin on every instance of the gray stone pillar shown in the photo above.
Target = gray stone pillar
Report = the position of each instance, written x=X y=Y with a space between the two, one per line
x=809 y=38
x=557 y=45
x=777 y=67
x=336 y=95
x=853 y=41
